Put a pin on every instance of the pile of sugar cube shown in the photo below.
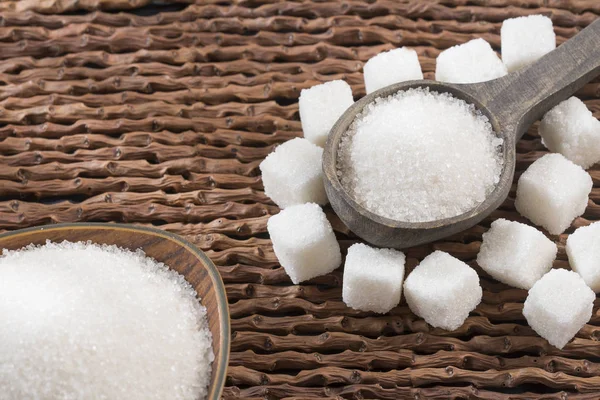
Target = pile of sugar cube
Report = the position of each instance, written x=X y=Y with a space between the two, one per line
x=442 y=289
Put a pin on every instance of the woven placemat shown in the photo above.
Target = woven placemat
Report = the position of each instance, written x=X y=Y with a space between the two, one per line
x=160 y=116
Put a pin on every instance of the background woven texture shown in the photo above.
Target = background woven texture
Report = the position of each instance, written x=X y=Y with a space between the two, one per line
x=162 y=118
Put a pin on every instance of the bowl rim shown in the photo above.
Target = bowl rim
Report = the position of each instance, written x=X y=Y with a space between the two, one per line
x=222 y=303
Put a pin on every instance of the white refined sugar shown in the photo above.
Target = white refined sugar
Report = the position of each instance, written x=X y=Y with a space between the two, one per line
x=558 y=306
x=571 y=130
x=391 y=67
x=583 y=249
x=552 y=192
x=293 y=174
x=304 y=242
x=86 y=321
x=526 y=39
x=419 y=155
x=442 y=290
x=373 y=278
x=471 y=62
x=320 y=108
x=516 y=254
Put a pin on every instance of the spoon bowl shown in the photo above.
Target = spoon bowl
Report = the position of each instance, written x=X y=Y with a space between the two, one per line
x=511 y=103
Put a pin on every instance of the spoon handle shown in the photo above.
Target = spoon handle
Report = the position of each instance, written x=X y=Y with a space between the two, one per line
x=522 y=97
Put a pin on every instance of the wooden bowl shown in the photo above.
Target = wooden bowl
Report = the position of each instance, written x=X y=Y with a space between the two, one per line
x=168 y=248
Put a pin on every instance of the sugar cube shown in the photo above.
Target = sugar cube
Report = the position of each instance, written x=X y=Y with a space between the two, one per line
x=516 y=254
x=526 y=39
x=373 y=278
x=471 y=62
x=558 y=306
x=391 y=67
x=304 y=242
x=571 y=130
x=552 y=192
x=293 y=174
x=583 y=249
x=442 y=290
x=320 y=108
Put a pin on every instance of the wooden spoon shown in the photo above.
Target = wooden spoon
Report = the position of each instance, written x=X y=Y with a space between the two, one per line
x=512 y=103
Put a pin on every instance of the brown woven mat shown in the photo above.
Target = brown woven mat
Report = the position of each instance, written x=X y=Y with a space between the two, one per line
x=162 y=118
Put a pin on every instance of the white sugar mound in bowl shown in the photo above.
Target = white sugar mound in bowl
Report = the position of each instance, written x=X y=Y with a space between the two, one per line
x=419 y=155
x=83 y=321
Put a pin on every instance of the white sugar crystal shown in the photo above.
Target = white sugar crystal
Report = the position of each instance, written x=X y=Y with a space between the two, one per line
x=419 y=156
x=526 y=39
x=516 y=254
x=373 y=278
x=82 y=321
x=293 y=174
x=552 y=192
x=571 y=130
x=320 y=108
x=583 y=249
x=304 y=242
x=391 y=67
x=474 y=61
x=558 y=306
x=442 y=290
